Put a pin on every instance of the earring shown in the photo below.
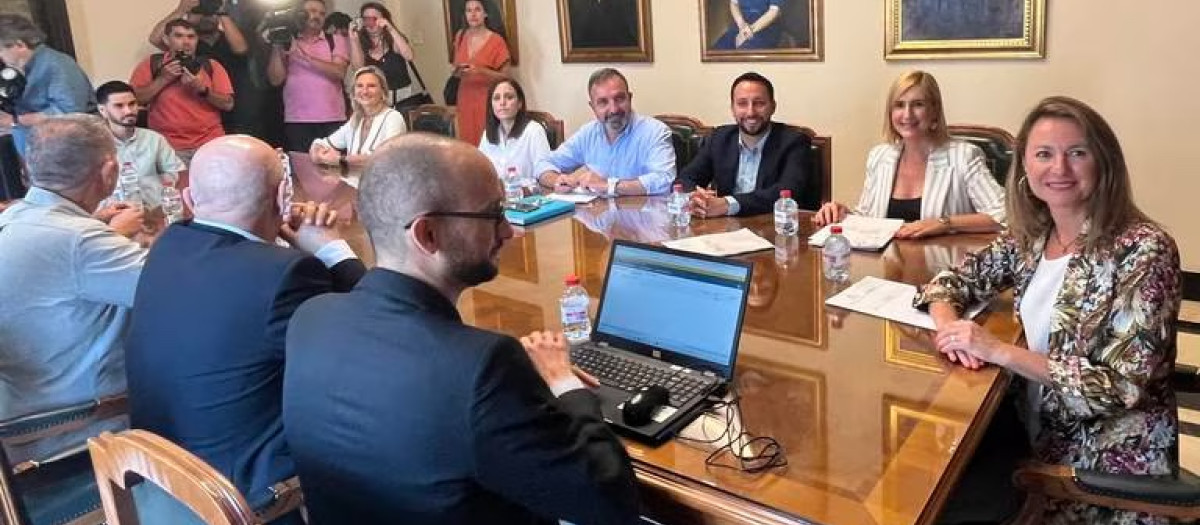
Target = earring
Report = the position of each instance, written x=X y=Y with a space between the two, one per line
x=1023 y=183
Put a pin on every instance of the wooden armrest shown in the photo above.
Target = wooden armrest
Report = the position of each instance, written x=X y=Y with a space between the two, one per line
x=1176 y=497
x=288 y=498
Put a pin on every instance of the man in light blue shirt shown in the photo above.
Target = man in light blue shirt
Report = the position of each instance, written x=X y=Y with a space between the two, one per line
x=621 y=153
x=54 y=83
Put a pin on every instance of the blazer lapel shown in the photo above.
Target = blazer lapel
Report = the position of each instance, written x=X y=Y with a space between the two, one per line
x=937 y=183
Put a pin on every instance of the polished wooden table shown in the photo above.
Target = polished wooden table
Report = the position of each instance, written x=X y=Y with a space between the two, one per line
x=875 y=424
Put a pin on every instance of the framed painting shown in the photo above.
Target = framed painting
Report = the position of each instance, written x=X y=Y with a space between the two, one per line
x=911 y=348
x=501 y=17
x=605 y=31
x=761 y=30
x=925 y=29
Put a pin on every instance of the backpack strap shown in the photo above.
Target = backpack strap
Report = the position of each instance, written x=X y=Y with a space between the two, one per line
x=156 y=62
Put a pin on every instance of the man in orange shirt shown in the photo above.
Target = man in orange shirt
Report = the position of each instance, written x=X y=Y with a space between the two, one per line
x=185 y=94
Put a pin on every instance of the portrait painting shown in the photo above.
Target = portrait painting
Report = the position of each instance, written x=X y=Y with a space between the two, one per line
x=501 y=17
x=605 y=30
x=922 y=29
x=761 y=30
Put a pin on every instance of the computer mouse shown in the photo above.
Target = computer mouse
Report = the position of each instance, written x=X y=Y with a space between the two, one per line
x=642 y=405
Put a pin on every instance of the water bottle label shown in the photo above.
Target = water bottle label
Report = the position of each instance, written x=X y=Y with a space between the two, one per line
x=835 y=260
x=572 y=317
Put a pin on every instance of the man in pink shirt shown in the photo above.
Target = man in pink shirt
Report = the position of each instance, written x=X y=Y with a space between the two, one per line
x=311 y=71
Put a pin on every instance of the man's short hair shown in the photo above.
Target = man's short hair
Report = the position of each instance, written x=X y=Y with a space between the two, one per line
x=110 y=88
x=753 y=77
x=406 y=176
x=178 y=22
x=604 y=74
x=16 y=28
x=65 y=151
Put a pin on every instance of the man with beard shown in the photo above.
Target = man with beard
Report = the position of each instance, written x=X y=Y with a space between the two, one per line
x=742 y=167
x=311 y=71
x=395 y=408
x=184 y=93
x=205 y=350
x=146 y=151
x=620 y=153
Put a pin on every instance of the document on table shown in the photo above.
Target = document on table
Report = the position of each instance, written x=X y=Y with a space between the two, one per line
x=577 y=198
x=889 y=300
x=864 y=233
x=722 y=244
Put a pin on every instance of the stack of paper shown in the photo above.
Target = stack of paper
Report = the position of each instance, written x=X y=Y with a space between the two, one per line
x=864 y=233
x=722 y=244
x=889 y=300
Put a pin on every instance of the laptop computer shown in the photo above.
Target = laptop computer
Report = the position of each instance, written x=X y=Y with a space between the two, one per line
x=669 y=318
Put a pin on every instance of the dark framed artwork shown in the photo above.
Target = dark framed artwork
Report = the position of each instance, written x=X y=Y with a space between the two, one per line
x=501 y=18
x=605 y=31
x=924 y=29
x=761 y=30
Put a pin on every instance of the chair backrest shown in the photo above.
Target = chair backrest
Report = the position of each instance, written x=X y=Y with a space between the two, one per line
x=555 y=132
x=433 y=118
x=686 y=136
x=821 y=159
x=997 y=145
x=176 y=471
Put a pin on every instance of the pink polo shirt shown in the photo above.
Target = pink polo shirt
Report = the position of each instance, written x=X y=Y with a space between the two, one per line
x=308 y=95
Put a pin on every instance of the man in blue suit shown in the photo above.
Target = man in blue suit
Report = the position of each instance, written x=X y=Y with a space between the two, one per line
x=205 y=356
x=743 y=166
x=397 y=412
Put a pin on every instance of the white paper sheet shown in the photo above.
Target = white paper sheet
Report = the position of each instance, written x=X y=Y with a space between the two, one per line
x=864 y=233
x=889 y=300
x=722 y=244
x=577 y=198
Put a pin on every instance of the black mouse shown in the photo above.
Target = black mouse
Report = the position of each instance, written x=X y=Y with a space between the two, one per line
x=642 y=405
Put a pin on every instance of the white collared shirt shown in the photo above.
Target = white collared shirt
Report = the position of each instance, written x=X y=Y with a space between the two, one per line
x=331 y=254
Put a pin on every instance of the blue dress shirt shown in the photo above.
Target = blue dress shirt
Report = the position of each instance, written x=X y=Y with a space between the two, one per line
x=642 y=152
x=54 y=85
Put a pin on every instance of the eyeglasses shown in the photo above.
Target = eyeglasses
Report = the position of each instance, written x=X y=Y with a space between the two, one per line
x=496 y=216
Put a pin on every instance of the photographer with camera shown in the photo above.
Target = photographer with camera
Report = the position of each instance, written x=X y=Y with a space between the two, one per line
x=185 y=94
x=310 y=64
x=53 y=83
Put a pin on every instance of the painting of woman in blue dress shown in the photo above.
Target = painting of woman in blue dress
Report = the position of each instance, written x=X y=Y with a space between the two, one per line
x=755 y=25
x=761 y=30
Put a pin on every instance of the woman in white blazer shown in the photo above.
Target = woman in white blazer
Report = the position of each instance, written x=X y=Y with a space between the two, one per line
x=373 y=123
x=938 y=185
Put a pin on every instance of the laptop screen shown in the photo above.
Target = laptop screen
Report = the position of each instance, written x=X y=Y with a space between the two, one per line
x=686 y=304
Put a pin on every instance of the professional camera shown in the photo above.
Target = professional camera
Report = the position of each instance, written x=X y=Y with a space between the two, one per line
x=208 y=7
x=280 y=27
x=192 y=63
x=12 y=86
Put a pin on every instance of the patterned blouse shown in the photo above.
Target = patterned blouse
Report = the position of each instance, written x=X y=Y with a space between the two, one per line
x=1109 y=405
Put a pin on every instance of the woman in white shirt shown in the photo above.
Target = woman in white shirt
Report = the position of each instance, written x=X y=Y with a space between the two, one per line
x=373 y=123
x=510 y=138
x=938 y=185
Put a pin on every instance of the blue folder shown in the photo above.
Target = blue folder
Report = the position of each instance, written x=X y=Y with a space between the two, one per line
x=546 y=209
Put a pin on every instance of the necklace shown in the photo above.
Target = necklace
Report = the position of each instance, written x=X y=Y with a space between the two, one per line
x=1066 y=247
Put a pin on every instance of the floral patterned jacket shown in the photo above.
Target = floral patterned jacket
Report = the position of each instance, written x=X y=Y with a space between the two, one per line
x=1109 y=405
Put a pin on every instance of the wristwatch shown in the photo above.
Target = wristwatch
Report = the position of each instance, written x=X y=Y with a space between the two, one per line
x=612 y=186
x=945 y=220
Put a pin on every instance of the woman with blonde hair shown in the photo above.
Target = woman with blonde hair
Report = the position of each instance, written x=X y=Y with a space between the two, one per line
x=937 y=184
x=373 y=123
x=1097 y=289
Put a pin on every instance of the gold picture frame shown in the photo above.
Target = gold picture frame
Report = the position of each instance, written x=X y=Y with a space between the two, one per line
x=617 y=32
x=901 y=347
x=796 y=34
x=955 y=29
x=506 y=10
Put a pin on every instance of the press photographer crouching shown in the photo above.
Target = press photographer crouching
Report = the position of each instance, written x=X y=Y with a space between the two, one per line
x=184 y=93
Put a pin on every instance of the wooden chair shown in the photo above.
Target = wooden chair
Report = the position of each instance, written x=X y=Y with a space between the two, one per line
x=433 y=118
x=59 y=489
x=185 y=477
x=555 y=132
x=997 y=145
x=822 y=162
x=687 y=133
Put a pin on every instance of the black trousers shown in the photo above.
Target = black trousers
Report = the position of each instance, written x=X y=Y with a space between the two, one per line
x=298 y=136
x=985 y=493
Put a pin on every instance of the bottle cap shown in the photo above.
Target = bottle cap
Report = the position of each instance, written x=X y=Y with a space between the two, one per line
x=572 y=280
x=785 y=194
x=836 y=229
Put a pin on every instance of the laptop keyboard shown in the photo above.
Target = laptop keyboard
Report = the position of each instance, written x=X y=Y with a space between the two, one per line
x=629 y=375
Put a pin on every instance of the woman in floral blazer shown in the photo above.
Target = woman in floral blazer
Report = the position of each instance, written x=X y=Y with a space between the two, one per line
x=1097 y=287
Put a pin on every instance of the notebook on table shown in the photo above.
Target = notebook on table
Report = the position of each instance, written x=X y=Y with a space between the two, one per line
x=530 y=210
x=669 y=318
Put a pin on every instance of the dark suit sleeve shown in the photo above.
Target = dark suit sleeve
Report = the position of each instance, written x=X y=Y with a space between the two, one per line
x=792 y=161
x=304 y=279
x=347 y=273
x=698 y=172
x=555 y=457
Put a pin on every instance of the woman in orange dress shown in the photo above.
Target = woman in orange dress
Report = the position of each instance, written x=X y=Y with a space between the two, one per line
x=480 y=57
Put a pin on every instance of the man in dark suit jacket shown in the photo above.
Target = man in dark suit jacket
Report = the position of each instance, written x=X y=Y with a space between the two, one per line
x=205 y=353
x=397 y=412
x=742 y=167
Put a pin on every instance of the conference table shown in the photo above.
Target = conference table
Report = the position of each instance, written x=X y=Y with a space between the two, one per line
x=876 y=427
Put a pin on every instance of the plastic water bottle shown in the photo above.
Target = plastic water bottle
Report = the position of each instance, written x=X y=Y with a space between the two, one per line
x=128 y=189
x=172 y=203
x=529 y=183
x=787 y=214
x=835 y=255
x=512 y=186
x=679 y=207
x=574 y=308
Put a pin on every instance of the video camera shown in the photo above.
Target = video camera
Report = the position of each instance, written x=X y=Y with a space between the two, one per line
x=12 y=86
x=208 y=7
x=281 y=26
